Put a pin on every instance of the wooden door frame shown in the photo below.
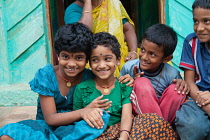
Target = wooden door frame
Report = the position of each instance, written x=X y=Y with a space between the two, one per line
x=162 y=11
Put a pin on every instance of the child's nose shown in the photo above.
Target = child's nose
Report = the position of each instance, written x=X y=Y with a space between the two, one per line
x=71 y=63
x=200 y=27
x=102 y=64
x=144 y=56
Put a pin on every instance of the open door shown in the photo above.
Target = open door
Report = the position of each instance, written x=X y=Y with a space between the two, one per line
x=144 y=13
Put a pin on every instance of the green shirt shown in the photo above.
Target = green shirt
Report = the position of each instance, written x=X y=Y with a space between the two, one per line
x=86 y=92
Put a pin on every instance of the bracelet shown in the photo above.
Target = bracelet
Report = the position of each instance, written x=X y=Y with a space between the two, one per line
x=134 y=52
x=126 y=131
x=86 y=12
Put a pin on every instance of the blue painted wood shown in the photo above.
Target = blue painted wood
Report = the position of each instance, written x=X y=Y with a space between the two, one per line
x=4 y=76
x=25 y=39
x=16 y=10
x=179 y=17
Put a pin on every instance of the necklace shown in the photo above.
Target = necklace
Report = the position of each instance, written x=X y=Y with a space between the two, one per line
x=68 y=82
x=106 y=88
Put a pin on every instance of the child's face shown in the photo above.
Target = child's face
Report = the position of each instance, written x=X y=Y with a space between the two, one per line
x=201 y=18
x=103 y=62
x=72 y=64
x=150 y=55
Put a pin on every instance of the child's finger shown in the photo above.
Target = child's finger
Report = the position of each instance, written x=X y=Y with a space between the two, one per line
x=206 y=102
x=99 y=98
x=105 y=105
x=135 y=70
x=103 y=101
x=130 y=84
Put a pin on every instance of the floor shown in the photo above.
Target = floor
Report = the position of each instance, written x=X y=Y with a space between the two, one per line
x=16 y=113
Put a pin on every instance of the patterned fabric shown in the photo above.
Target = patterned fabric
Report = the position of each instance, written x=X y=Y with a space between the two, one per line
x=145 y=127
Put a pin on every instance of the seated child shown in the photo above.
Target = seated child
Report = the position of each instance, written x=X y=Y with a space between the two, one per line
x=153 y=91
x=193 y=119
x=104 y=58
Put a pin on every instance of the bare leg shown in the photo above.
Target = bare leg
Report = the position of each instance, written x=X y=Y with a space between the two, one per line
x=5 y=137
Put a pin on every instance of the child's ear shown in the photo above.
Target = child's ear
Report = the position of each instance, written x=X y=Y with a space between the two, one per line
x=167 y=59
x=118 y=61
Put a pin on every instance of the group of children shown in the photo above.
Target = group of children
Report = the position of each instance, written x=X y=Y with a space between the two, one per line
x=69 y=93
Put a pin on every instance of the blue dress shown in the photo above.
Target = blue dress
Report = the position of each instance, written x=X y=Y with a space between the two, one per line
x=45 y=83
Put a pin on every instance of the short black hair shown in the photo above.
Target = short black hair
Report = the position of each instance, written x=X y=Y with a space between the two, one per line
x=205 y=4
x=107 y=40
x=162 y=35
x=73 y=38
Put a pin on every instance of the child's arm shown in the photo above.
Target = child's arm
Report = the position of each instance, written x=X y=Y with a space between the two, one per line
x=52 y=118
x=189 y=77
x=126 y=121
x=201 y=98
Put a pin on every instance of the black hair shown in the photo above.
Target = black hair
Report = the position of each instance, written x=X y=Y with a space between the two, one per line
x=73 y=38
x=162 y=35
x=107 y=40
x=205 y=4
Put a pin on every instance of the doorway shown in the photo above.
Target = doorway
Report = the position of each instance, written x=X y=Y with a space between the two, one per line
x=144 y=13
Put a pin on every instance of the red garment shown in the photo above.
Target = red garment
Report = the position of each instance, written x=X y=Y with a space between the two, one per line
x=144 y=99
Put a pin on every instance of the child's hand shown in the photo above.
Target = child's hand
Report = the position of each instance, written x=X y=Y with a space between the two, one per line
x=126 y=78
x=135 y=72
x=203 y=98
x=181 y=86
x=98 y=103
x=93 y=117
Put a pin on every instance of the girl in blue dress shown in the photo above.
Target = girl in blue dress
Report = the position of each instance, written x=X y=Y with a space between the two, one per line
x=55 y=86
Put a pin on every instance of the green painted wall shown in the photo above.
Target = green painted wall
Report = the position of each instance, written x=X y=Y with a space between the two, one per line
x=24 y=48
x=179 y=17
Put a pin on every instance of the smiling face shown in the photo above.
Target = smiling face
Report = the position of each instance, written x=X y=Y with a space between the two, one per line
x=201 y=18
x=103 y=62
x=71 y=64
x=151 y=56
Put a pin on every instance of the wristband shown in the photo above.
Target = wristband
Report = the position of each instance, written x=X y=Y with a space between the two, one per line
x=86 y=12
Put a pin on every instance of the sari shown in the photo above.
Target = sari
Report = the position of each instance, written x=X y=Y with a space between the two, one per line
x=107 y=17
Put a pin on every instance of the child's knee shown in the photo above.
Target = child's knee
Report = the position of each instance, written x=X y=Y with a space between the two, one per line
x=142 y=81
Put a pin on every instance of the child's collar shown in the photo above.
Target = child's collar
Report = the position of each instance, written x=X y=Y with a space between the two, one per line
x=152 y=74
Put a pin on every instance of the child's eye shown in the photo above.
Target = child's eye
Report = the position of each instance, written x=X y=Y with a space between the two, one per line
x=142 y=49
x=152 y=54
x=207 y=21
x=108 y=59
x=195 y=21
x=80 y=58
x=94 y=60
x=64 y=57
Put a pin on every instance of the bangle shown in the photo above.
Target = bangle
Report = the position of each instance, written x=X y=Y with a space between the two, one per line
x=134 y=52
x=126 y=131
x=86 y=12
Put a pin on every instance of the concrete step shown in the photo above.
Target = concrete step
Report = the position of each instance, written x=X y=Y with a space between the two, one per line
x=14 y=114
